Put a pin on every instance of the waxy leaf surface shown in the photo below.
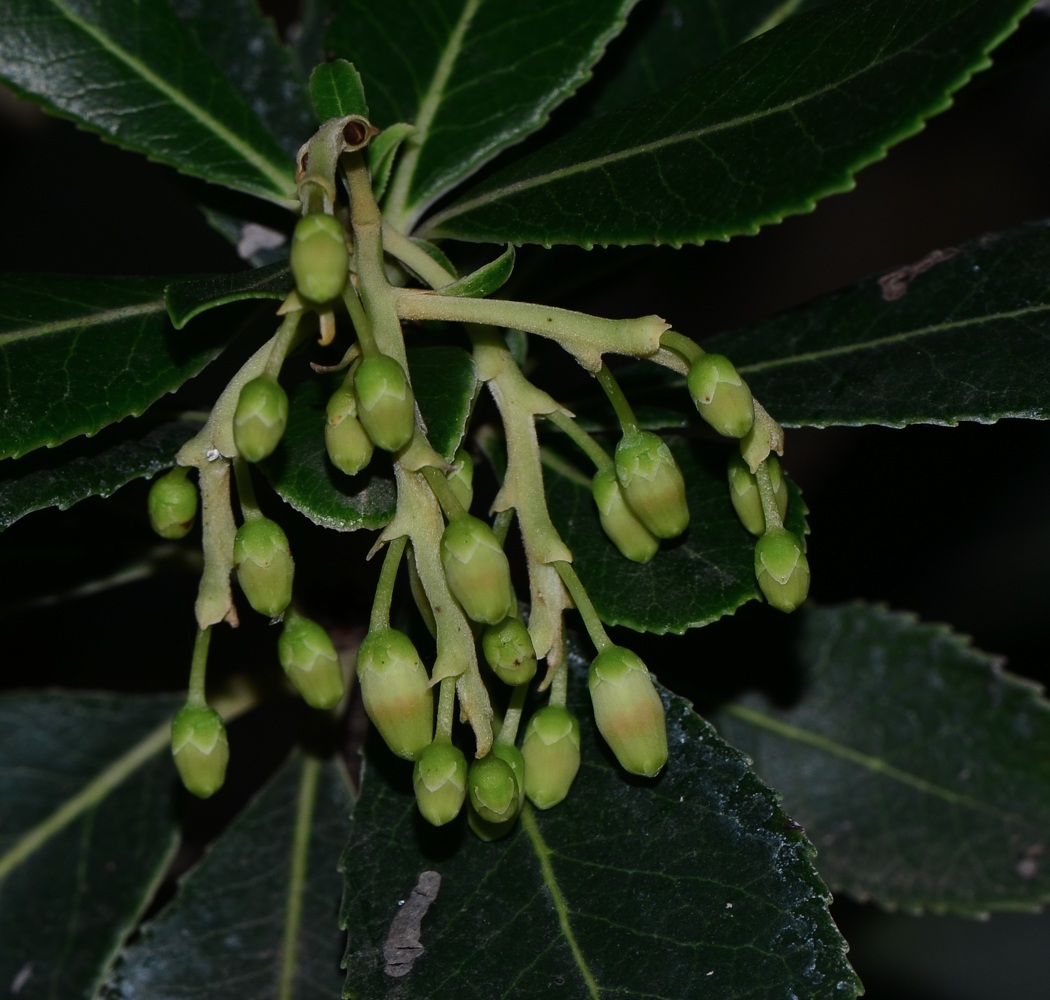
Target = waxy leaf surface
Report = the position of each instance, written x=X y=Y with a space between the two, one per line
x=187 y=298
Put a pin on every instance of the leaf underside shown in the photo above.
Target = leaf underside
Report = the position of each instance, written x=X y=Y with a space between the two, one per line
x=187 y=298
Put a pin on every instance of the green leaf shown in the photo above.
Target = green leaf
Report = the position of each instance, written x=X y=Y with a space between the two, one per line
x=485 y=280
x=77 y=354
x=473 y=77
x=86 y=832
x=445 y=381
x=693 y=580
x=130 y=71
x=257 y=244
x=919 y=768
x=381 y=152
x=189 y=297
x=85 y=468
x=258 y=916
x=337 y=91
x=763 y=133
x=693 y=884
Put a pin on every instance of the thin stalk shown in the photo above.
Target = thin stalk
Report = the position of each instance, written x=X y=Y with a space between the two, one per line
x=624 y=413
x=419 y=594
x=766 y=494
x=445 y=496
x=594 y=451
x=501 y=524
x=385 y=588
x=689 y=349
x=402 y=248
x=580 y=598
x=245 y=489
x=560 y=683
x=369 y=348
x=199 y=667
x=509 y=730
x=283 y=342
x=446 y=706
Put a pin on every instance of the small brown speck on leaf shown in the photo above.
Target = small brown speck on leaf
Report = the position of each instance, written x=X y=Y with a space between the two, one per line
x=402 y=947
x=895 y=284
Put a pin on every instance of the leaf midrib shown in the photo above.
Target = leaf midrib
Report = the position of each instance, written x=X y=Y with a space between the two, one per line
x=82 y=322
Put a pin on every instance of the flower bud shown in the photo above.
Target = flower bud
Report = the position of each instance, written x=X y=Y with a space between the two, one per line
x=486 y=831
x=755 y=445
x=264 y=565
x=509 y=651
x=385 y=404
x=782 y=569
x=260 y=418
x=629 y=712
x=743 y=491
x=440 y=782
x=619 y=522
x=349 y=447
x=461 y=479
x=493 y=789
x=310 y=661
x=511 y=755
x=394 y=690
x=200 y=749
x=721 y=395
x=551 y=749
x=172 y=504
x=652 y=483
x=477 y=570
x=319 y=259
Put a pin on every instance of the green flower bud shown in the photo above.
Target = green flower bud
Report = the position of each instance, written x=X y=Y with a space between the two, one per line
x=721 y=395
x=652 y=483
x=385 y=404
x=486 y=831
x=629 y=712
x=319 y=259
x=172 y=504
x=619 y=522
x=264 y=565
x=200 y=749
x=394 y=690
x=509 y=651
x=477 y=570
x=493 y=789
x=440 y=781
x=551 y=749
x=782 y=569
x=260 y=418
x=743 y=491
x=461 y=479
x=310 y=661
x=755 y=445
x=511 y=755
x=349 y=447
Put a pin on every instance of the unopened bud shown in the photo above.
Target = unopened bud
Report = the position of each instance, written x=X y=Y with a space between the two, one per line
x=385 y=404
x=512 y=756
x=440 y=782
x=461 y=478
x=394 y=690
x=348 y=446
x=477 y=570
x=260 y=418
x=721 y=395
x=200 y=749
x=782 y=569
x=756 y=444
x=310 y=661
x=509 y=651
x=652 y=483
x=493 y=789
x=619 y=522
x=551 y=749
x=172 y=504
x=319 y=259
x=264 y=565
x=743 y=491
x=629 y=712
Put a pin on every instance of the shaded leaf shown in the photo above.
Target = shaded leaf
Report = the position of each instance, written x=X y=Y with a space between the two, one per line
x=187 y=298
x=257 y=244
x=485 y=280
x=337 y=91
x=919 y=768
x=445 y=382
x=763 y=133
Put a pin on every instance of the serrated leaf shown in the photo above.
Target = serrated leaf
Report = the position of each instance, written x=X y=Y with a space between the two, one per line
x=763 y=133
x=130 y=71
x=258 y=916
x=693 y=580
x=337 y=91
x=86 y=832
x=381 y=152
x=695 y=884
x=486 y=280
x=187 y=298
x=77 y=354
x=473 y=77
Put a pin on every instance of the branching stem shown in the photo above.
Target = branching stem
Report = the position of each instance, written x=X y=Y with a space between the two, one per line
x=594 y=451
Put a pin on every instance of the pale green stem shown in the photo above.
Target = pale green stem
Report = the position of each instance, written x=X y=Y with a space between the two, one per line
x=766 y=494
x=385 y=587
x=446 y=706
x=401 y=247
x=624 y=413
x=594 y=451
x=360 y=321
x=689 y=349
x=509 y=730
x=581 y=599
x=560 y=683
x=199 y=667
x=245 y=489
x=218 y=531
x=445 y=496
x=286 y=338
x=501 y=524
x=419 y=594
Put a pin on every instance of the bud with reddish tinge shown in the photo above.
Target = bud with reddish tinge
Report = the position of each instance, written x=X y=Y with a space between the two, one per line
x=551 y=749
x=652 y=483
x=782 y=569
x=310 y=661
x=721 y=395
x=477 y=570
x=440 y=782
x=264 y=565
x=348 y=446
x=319 y=258
x=619 y=522
x=385 y=404
x=200 y=749
x=172 y=504
x=461 y=478
x=743 y=491
x=509 y=651
x=260 y=418
x=493 y=789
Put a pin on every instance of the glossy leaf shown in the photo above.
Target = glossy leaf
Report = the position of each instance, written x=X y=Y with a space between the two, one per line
x=920 y=769
x=694 y=884
x=445 y=382
x=337 y=91
x=130 y=71
x=224 y=936
x=763 y=133
x=486 y=280
x=187 y=298
x=381 y=153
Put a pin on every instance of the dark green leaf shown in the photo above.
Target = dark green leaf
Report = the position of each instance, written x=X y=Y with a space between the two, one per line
x=695 y=884
x=473 y=77
x=189 y=297
x=381 y=152
x=257 y=244
x=919 y=768
x=693 y=580
x=485 y=280
x=445 y=382
x=224 y=936
x=86 y=832
x=763 y=133
x=337 y=91
x=132 y=72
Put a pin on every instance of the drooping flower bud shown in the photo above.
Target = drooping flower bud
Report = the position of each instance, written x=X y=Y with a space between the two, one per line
x=721 y=395
x=512 y=756
x=265 y=568
x=440 y=782
x=172 y=504
x=509 y=651
x=652 y=483
x=260 y=418
x=319 y=259
x=385 y=404
x=493 y=789
x=461 y=479
x=310 y=661
x=629 y=712
x=394 y=690
x=200 y=749
x=743 y=491
x=619 y=522
x=348 y=446
x=782 y=569
x=551 y=749
x=477 y=570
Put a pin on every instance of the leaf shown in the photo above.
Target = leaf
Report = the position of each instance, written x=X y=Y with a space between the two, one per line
x=258 y=916
x=337 y=91
x=77 y=354
x=86 y=832
x=693 y=580
x=131 y=72
x=763 y=133
x=473 y=77
x=187 y=298
x=691 y=885
x=485 y=280
x=381 y=152
x=81 y=469
x=257 y=244
x=445 y=382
